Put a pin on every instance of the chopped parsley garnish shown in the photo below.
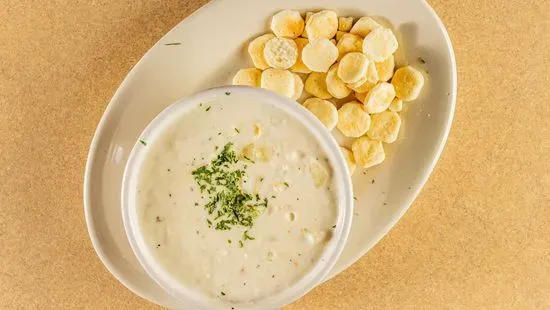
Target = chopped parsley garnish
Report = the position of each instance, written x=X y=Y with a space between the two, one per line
x=421 y=60
x=143 y=142
x=227 y=93
x=208 y=109
x=246 y=236
x=237 y=130
x=241 y=243
x=228 y=205
x=174 y=43
x=286 y=184
x=223 y=294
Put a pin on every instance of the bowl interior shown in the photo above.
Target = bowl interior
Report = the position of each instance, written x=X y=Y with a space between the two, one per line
x=173 y=113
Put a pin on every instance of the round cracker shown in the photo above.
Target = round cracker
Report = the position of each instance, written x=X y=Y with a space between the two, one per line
x=248 y=77
x=280 y=53
x=316 y=84
x=367 y=152
x=335 y=86
x=385 y=126
x=353 y=67
x=353 y=120
x=323 y=24
x=379 y=98
x=324 y=110
x=318 y=55
x=287 y=24
x=256 y=50
x=279 y=81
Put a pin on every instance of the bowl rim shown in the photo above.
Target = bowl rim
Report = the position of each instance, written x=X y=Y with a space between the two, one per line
x=341 y=182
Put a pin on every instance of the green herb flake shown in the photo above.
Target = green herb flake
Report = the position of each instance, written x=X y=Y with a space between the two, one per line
x=241 y=244
x=286 y=184
x=173 y=43
x=421 y=60
x=229 y=241
x=246 y=236
x=237 y=130
x=208 y=108
x=333 y=226
x=228 y=205
x=143 y=142
x=227 y=93
x=223 y=294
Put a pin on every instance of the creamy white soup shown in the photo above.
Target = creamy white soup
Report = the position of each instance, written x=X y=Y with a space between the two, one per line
x=236 y=199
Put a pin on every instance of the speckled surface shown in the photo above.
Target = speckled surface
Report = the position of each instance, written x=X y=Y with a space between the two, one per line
x=478 y=236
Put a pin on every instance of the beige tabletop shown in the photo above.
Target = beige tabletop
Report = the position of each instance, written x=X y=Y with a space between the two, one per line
x=478 y=236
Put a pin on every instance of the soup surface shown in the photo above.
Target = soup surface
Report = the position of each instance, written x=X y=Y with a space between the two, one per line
x=236 y=199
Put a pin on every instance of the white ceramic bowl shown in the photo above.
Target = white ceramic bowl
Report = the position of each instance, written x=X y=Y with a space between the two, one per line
x=341 y=181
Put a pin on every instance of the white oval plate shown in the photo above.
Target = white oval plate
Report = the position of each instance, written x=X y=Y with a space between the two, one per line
x=210 y=47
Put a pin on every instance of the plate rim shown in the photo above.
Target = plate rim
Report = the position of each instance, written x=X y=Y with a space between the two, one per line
x=92 y=152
